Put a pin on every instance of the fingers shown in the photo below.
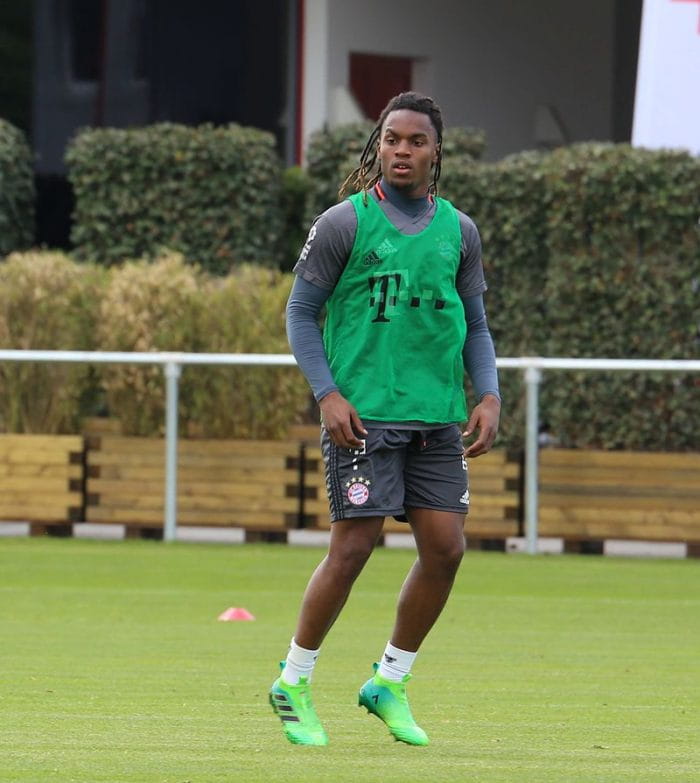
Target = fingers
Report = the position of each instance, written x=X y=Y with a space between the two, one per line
x=479 y=447
x=342 y=422
x=345 y=431
x=487 y=435
x=347 y=438
x=471 y=425
x=357 y=425
x=484 y=421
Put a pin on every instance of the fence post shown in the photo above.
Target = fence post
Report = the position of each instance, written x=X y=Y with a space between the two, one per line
x=533 y=376
x=172 y=375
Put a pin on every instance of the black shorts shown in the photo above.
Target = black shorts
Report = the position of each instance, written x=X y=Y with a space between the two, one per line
x=397 y=469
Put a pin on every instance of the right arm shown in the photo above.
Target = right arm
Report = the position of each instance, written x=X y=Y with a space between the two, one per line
x=320 y=265
x=304 y=334
x=303 y=309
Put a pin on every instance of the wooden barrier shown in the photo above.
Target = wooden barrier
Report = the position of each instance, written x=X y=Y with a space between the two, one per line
x=494 y=511
x=236 y=483
x=597 y=495
x=268 y=487
x=494 y=497
x=41 y=481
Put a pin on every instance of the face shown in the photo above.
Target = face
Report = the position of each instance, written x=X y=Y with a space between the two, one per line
x=408 y=150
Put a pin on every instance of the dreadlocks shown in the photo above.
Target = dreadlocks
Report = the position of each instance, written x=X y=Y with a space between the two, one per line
x=368 y=173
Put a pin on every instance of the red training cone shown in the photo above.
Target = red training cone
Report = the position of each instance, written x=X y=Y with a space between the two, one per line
x=235 y=613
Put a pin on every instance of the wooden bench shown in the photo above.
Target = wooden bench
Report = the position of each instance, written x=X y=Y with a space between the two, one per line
x=587 y=495
x=233 y=483
x=494 y=512
x=41 y=481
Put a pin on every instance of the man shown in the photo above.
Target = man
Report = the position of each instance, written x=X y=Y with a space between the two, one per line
x=399 y=272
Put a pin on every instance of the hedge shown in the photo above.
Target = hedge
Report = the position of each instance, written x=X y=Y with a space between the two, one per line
x=592 y=251
x=622 y=282
x=16 y=190
x=589 y=251
x=296 y=186
x=210 y=193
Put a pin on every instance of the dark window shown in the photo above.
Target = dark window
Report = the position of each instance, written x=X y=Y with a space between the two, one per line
x=86 y=25
x=140 y=32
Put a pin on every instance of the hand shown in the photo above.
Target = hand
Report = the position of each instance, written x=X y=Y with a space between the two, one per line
x=484 y=420
x=342 y=421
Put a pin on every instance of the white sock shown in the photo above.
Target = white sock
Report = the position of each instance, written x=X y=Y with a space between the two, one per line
x=395 y=663
x=300 y=663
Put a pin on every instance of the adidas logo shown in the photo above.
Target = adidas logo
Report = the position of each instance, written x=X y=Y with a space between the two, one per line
x=371 y=259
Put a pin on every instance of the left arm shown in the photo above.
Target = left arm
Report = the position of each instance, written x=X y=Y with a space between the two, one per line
x=479 y=358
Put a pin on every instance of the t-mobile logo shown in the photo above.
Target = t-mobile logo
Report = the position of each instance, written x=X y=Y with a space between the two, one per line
x=384 y=290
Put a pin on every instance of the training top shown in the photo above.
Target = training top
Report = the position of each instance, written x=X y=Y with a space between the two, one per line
x=395 y=324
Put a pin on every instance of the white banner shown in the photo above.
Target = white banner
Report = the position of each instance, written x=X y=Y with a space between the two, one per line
x=667 y=101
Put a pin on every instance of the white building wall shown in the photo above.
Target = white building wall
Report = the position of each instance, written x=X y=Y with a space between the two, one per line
x=316 y=85
x=488 y=63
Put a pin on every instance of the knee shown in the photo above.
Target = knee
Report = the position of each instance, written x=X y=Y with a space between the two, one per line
x=444 y=558
x=349 y=559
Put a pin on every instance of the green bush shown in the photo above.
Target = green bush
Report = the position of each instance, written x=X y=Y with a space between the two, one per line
x=296 y=186
x=326 y=160
x=507 y=200
x=47 y=302
x=592 y=251
x=458 y=141
x=210 y=193
x=16 y=190
x=622 y=282
x=622 y=306
x=589 y=251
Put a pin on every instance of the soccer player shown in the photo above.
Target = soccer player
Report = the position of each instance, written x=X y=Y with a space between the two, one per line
x=400 y=274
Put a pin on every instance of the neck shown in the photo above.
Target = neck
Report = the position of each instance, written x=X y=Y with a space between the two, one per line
x=408 y=204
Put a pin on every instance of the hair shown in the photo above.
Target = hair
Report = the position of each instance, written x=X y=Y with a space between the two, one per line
x=368 y=173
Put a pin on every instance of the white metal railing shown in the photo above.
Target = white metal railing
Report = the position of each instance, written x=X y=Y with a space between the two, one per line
x=172 y=363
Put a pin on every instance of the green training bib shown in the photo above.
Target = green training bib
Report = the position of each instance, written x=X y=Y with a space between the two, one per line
x=395 y=324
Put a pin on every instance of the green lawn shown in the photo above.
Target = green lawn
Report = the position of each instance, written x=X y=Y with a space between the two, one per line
x=113 y=667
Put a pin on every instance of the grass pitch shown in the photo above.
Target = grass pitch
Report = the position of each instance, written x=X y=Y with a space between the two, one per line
x=113 y=667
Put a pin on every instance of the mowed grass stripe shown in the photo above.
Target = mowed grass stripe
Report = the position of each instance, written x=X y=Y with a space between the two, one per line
x=567 y=668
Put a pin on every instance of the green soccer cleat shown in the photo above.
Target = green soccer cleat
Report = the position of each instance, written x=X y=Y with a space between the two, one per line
x=293 y=706
x=387 y=700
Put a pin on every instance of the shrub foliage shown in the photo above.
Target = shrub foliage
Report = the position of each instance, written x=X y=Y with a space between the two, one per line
x=589 y=251
x=16 y=190
x=170 y=306
x=49 y=302
x=592 y=251
x=210 y=193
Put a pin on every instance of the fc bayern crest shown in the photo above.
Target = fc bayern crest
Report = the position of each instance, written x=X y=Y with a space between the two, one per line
x=358 y=491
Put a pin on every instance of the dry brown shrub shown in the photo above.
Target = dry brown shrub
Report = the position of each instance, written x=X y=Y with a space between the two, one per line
x=47 y=302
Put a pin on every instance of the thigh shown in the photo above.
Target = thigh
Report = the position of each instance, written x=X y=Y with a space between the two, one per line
x=354 y=537
x=437 y=533
x=366 y=482
x=435 y=474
